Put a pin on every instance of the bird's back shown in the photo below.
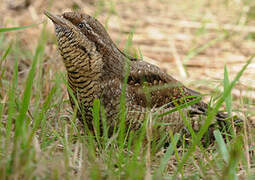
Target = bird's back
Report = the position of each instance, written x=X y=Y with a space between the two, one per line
x=149 y=91
x=96 y=69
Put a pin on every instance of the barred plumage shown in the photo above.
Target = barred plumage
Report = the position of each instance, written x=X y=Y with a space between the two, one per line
x=96 y=69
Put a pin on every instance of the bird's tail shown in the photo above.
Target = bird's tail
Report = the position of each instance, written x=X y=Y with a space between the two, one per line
x=222 y=120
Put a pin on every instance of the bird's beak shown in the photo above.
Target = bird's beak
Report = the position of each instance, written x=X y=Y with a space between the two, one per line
x=58 y=20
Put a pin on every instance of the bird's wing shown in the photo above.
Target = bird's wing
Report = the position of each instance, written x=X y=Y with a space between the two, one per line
x=150 y=86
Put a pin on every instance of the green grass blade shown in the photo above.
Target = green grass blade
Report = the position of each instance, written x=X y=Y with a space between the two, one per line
x=1 y=121
x=122 y=125
x=170 y=150
x=21 y=130
x=228 y=99
x=28 y=86
x=210 y=118
x=196 y=51
x=229 y=172
x=11 y=103
x=5 y=54
x=179 y=107
x=96 y=119
x=7 y=51
x=222 y=146
x=41 y=115
x=17 y=28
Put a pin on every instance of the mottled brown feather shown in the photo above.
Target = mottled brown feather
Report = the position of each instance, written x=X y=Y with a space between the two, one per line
x=96 y=69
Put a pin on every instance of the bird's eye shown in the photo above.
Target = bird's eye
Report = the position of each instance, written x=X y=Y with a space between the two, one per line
x=81 y=25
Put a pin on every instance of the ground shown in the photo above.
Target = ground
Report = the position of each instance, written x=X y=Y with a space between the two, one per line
x=191 y=40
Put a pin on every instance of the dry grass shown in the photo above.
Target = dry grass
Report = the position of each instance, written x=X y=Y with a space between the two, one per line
x=161 y=25
x=191 y=40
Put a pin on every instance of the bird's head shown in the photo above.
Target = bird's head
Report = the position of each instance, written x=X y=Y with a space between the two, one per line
x=80 y=36
x=74 y=25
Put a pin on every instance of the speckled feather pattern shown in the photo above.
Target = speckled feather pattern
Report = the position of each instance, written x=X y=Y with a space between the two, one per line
x=96 y=69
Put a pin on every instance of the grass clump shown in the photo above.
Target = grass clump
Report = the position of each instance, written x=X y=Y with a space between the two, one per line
x=41 y=139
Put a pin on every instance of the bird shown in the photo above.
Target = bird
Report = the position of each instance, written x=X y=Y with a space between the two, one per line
x=98 y=70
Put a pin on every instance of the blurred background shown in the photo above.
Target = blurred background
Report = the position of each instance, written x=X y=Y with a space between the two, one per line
x=191 y=40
